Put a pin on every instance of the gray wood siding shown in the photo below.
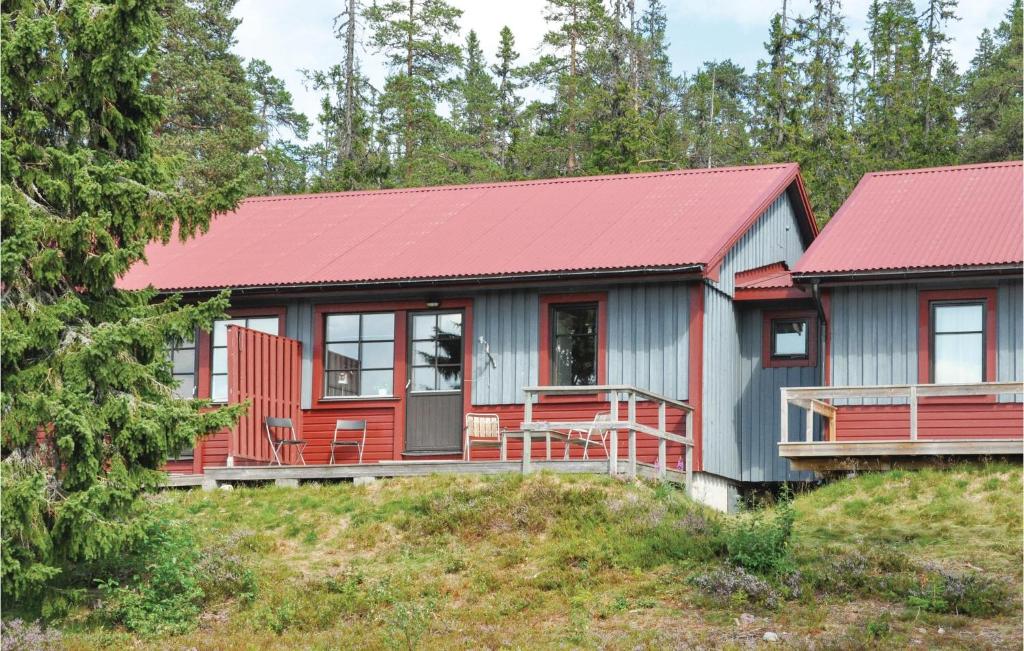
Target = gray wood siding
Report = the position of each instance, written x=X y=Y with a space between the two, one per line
x=508 y=321
x=760 y=403
x=299 y=325
x=648 y=338
x=1010 y=335
x=774 y=237
x=874 y=337
x=720 y=399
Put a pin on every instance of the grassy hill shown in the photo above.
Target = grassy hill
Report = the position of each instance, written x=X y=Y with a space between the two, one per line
x=930 y=558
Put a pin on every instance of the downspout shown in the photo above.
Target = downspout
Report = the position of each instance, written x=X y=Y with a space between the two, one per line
x=823 y=334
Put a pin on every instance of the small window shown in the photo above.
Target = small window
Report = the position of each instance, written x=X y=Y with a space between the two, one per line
x=219 y=360
x=359 y=355
x=790 y=339
x=958 y=342
x=574 y=345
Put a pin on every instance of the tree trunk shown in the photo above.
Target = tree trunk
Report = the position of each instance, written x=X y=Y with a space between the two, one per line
x=350 y=81
x=779 y=79
x=571 y=95
x=408 y=100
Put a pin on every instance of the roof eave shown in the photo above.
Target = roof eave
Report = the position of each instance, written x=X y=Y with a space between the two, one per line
x=455 y=281
x=908 y=273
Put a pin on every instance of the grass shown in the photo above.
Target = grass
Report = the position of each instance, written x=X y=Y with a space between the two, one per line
x=568 y=562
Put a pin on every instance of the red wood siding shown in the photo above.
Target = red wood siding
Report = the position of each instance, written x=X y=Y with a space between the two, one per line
x=318 y=428
x=936 y=421
x=263 y=370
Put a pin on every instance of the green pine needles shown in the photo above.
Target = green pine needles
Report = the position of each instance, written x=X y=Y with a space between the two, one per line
x=88 y=403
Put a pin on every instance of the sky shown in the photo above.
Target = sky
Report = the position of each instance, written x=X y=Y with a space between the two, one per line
x=293 y=36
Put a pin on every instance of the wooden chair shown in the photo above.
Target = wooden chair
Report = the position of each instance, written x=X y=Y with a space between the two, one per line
x=349 y=426
x=592 y=435
x=483 y=431
x=276 y=443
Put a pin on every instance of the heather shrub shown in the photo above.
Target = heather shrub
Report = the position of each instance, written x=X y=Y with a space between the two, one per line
x=18 y=635
x=760 y=542
x=736 y=584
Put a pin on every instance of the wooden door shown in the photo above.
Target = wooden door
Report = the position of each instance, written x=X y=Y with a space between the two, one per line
x=434 y=391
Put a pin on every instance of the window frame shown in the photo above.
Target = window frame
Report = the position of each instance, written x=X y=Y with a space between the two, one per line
x=189 y=453
x=546 y=341
x=412 y=365
x=324 y=343
x=928 y=300
x=769 y=358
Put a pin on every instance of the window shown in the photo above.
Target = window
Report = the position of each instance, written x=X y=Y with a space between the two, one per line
x=436 y=352
x=359 y=355
x=574 y=345
x=219 y=360
x=183 y=360
x=790 y=339
x=958 y=342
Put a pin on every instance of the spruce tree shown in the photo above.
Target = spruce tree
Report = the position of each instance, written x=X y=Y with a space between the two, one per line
x=993 y=94
x=717 y=116
x=474 y=140
x=88 y=399
x=508 y=77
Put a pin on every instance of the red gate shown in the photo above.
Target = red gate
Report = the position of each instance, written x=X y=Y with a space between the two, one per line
x=265 y=370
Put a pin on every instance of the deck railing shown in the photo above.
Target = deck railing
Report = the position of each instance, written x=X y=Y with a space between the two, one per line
x=617 y=394
x=816 y=400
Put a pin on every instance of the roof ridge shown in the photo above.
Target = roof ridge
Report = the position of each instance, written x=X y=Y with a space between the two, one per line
x=948 y=168
x=628 y=176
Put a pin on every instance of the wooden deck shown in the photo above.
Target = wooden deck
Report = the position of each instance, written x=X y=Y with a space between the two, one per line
x=856 y=455
x=291 y=475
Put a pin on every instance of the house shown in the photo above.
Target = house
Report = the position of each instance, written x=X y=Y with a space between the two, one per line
x=412 y=307
x=709 y=290
x=919 y=280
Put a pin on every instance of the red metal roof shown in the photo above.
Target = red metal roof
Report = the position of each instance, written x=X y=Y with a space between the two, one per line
x=629 y=221
x=771 y=276
x=969 y=215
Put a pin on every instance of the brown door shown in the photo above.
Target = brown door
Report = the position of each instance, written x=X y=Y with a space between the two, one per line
x=434 y=391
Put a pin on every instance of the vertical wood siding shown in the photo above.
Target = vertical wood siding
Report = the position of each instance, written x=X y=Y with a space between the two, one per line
x=720 y=401
x=759 y=405
x=1010 y=335
x=774 y=237
x=299 y=326
x=874 y=338
x=648 y=338
x=508 y=322
x=263 y=370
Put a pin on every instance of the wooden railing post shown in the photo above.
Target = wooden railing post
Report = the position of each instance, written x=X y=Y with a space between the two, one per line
x=809 y=426
x=527 y=446
x=913 y=412
x=784 y=416
x=613 y=437
x=631 y=410
x=689 y=453
x=662 y=443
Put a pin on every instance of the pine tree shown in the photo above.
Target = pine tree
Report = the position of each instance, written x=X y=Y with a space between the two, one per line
x=575 y=28
x=993 y=94
x=82 y=191
x=716 y=114
x=209 y=127
x=280 y=160
x=412 y=34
